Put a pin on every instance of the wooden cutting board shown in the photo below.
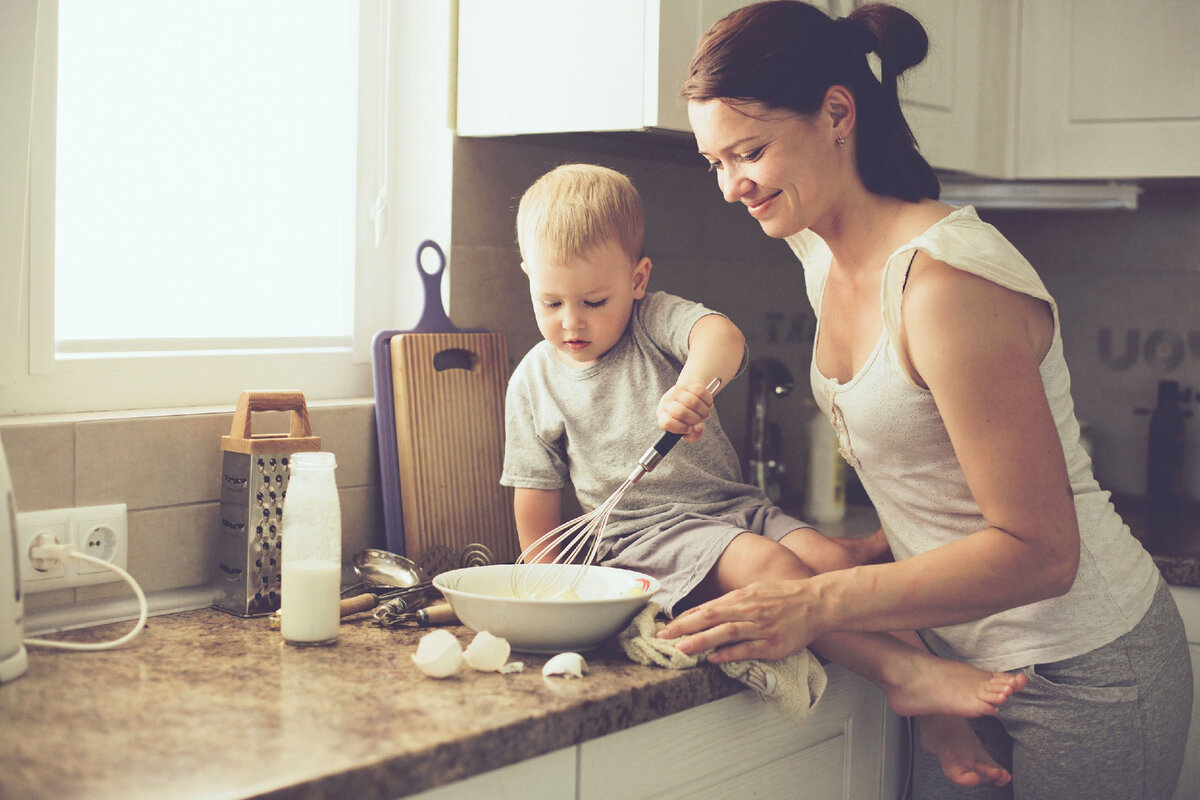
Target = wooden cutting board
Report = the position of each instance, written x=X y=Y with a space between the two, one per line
x=448 y=390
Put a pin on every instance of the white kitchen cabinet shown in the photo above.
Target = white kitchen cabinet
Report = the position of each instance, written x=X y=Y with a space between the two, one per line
x=546 y=777
x=545 y=66
x=740 y=747
x=1058 y=89
x=1038 y=89
x=961 y=99
x=1188 y=600
x=851 y=747
x=1109 y=89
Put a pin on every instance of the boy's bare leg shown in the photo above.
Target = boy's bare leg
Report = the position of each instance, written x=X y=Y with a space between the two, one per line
x=963 y=759
x=913 y=680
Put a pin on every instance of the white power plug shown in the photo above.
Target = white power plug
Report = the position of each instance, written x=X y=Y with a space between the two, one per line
x=98 y=531
x=47 y=554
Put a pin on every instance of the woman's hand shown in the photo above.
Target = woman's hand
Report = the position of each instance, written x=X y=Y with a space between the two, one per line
x=766 y=620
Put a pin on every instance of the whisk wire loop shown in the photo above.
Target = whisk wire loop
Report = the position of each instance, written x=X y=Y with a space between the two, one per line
x=562 y=544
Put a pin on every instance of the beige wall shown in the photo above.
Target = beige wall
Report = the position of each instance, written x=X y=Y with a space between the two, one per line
x=166 y=469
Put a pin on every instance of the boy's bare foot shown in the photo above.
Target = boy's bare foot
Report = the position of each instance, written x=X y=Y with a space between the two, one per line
x=964 y=761
x=926 y=684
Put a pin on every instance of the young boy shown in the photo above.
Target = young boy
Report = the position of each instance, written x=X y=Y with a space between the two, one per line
x=579 y=412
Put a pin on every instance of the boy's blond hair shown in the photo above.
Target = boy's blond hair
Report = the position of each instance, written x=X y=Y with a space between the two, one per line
x=576 y=207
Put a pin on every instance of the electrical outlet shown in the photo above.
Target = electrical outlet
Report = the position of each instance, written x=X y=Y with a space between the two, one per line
x=98 y=531
x=29 y=526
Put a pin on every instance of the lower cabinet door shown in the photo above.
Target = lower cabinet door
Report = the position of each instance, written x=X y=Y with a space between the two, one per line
x=548 y=777
x=742 y=747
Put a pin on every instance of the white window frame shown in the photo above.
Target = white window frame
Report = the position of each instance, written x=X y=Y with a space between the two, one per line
x=396 y=39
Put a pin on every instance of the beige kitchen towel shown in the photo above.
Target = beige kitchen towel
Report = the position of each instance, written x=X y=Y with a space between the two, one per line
x=793 y=685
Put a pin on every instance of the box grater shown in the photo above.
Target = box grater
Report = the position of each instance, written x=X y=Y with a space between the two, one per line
x=254 y=479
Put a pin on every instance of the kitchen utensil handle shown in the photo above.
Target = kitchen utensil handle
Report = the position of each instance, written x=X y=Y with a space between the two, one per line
x=433 y=315
x=353 y=605
x=665 y=443
x=438 y=614
x=299 y=425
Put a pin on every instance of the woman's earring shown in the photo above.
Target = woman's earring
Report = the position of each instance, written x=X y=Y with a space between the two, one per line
x=841 y=141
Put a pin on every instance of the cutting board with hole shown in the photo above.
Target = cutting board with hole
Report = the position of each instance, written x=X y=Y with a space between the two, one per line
x=447 y=391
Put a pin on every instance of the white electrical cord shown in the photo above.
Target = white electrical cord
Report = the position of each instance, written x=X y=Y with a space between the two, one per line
x=58 y=551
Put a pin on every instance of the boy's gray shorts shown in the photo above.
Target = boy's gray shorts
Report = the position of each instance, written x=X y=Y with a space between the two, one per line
x=680 y=553
x=1109 y=724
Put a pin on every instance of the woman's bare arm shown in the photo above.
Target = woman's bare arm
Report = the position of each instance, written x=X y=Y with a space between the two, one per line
x=977 y=347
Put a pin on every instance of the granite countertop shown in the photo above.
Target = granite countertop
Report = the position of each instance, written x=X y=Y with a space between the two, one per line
x=205 y=704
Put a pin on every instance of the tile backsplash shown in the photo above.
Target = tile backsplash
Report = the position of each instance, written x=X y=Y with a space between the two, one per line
x=167 y=470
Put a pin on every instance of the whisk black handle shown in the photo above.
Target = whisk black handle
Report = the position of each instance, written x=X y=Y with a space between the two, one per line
x=665 y=443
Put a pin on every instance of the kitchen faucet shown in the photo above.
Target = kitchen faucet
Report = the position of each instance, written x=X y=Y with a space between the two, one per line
x=768 y=377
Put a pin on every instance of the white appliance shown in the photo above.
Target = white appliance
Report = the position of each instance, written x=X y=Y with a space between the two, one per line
x=13 y=658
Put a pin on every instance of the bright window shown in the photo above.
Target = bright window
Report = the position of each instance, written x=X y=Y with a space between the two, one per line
x=205 y=165
x=202 y=196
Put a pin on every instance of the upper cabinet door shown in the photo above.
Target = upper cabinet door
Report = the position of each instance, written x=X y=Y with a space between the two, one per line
x=548 y=66
x=540 y=66
x=1010 y=89
x=676 y=26
x=960 y=100
x=1109 y=89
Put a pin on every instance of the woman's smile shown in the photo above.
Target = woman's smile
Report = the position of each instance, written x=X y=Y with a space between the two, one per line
x=761 y=205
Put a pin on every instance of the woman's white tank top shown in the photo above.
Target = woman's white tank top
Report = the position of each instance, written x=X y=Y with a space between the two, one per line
x=891 y=432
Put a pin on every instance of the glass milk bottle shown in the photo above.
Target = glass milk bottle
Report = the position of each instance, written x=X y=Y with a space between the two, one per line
x=312 y=552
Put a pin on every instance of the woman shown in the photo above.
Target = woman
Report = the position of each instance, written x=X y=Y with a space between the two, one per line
x=939 y=362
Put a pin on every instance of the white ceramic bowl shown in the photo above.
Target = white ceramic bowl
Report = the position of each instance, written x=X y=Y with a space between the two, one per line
x=605 y=601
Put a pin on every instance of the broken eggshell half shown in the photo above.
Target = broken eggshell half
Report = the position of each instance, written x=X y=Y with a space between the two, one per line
x=568 y=665
x=487 y=653
x=439 y=655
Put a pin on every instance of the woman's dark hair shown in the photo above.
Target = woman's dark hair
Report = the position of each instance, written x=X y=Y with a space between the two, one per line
x=785 y=54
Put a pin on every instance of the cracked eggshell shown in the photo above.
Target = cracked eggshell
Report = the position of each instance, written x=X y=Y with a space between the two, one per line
x=487 y=653
x=569 y=665
x=439 y=654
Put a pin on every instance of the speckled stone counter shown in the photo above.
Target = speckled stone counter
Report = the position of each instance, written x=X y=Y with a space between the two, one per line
x=206 y=705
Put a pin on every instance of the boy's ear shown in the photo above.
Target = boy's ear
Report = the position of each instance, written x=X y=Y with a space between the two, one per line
x=641 y=277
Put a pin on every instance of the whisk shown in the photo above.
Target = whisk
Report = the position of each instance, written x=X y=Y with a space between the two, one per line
x=540 y=579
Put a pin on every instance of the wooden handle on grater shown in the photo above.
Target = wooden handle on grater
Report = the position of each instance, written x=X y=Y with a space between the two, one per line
x=249 y=401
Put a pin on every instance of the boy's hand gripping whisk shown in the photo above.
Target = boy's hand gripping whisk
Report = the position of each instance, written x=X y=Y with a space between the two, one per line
x=540 y=579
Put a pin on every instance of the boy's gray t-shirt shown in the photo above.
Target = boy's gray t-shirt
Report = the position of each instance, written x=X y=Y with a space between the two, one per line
x=587 y=428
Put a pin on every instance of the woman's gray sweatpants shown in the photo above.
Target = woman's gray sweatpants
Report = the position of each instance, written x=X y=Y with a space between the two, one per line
x=1111 y=723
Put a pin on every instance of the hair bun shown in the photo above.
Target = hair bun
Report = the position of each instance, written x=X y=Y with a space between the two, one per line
x=859 y=37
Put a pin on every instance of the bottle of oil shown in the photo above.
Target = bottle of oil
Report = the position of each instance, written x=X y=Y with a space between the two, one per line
x=1164 y=463
x=825 y=500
